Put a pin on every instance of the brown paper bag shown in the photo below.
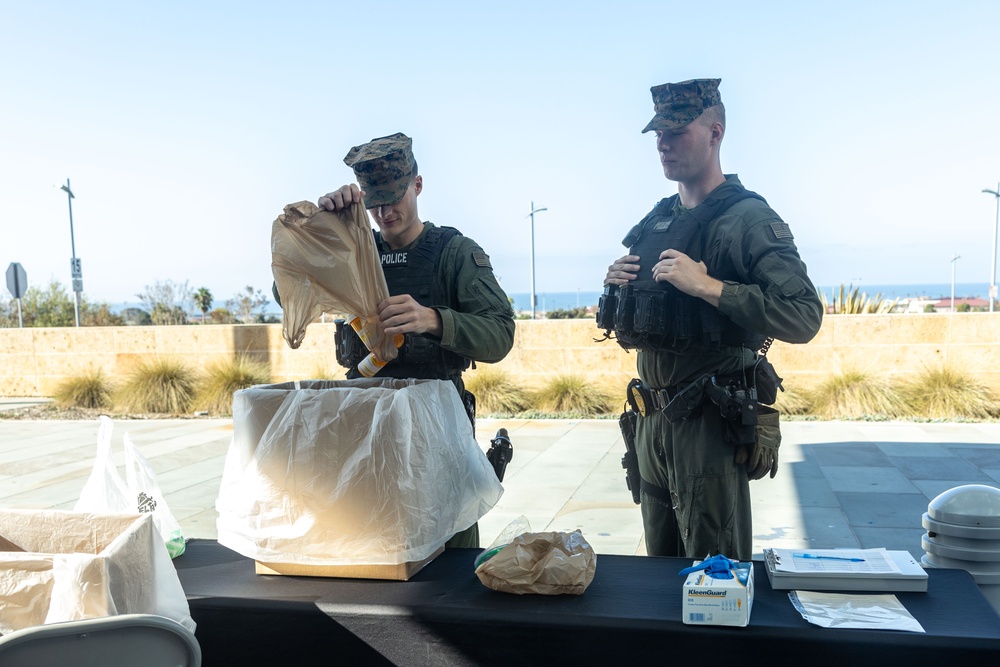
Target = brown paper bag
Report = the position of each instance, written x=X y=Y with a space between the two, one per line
x=544 y=563
x=326 y=262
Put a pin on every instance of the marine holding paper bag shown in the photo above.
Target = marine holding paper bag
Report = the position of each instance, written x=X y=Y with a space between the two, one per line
x=443 y=296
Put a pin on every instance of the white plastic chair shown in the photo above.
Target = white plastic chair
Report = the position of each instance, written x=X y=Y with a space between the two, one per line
x=110 y=641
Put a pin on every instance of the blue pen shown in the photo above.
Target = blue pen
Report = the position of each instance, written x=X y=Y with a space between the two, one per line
x=822 y=557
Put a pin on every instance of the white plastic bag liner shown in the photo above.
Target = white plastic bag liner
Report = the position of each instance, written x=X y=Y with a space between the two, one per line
x=367 y=471
x=106 y=493
x=81 y=565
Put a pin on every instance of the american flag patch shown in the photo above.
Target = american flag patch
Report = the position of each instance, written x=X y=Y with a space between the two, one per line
x=781 y=230
x=482 y=259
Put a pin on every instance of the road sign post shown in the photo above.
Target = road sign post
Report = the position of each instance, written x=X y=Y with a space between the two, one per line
x=17 y=283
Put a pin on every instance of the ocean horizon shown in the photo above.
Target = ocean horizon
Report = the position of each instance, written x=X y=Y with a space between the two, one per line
x=549 y=301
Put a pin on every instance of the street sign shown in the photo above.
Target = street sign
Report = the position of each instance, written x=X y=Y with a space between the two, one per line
x=77 y=284
x=75 y=267
x=17 y=280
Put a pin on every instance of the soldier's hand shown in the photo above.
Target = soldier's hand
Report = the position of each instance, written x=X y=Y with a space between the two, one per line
x=341 y=198
x=761 y=457
x=402 y=314
x=623 y=270
x=760 y=460
x=687 y=275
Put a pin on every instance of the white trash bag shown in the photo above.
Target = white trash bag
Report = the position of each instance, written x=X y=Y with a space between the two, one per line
x=106 y=493
x=355 y=472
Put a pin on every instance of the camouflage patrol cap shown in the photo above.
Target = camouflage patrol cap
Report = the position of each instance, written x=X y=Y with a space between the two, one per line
x=678 y=104
x=384 y=167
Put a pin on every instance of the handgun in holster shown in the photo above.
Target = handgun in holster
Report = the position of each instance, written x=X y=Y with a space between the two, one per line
x=630 y=462
x=500 y=453
x=687 y=400
x=738 y=405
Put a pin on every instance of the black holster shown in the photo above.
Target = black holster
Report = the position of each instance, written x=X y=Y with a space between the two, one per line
x=630 y=462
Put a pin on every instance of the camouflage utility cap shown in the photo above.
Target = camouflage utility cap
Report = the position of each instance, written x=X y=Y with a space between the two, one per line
x=677 y=104
x=384 y=168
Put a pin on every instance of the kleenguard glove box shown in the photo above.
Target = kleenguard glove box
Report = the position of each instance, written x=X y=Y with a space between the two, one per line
x=714 y=601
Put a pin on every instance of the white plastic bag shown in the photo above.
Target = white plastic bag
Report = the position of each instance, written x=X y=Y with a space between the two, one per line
x=373 y=472
x=106 y=493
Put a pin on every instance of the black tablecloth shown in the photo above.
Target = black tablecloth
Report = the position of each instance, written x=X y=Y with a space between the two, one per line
x=630 y=613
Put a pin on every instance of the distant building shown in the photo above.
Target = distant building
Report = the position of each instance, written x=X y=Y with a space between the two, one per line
x=939 y=304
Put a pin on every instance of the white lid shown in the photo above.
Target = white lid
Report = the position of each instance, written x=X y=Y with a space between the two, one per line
x=968 y=505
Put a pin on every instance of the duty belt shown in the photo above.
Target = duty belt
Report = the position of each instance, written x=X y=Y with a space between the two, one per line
x=646 y=400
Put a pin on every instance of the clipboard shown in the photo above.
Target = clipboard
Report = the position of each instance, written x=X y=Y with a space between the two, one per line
x=878 y=570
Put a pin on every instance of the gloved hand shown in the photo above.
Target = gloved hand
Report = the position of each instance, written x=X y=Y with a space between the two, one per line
x=758 y=460
x=761 y=457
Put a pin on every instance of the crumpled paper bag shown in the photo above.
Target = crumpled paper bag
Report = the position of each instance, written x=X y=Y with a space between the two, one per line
x=544 y=563
x=326 y=262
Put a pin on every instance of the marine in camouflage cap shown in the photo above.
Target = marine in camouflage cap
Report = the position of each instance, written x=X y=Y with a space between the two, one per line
x=678 y=104
x=384 y=168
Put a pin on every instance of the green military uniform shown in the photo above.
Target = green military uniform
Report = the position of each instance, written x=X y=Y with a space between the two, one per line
x=477 y=321
x=695 y=495
x=766 y=290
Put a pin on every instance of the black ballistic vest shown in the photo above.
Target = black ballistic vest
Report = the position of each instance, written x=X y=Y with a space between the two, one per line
x=656 y=316
x=414 y=272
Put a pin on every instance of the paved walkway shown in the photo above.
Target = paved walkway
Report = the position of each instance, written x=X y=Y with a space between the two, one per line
x=840 y=484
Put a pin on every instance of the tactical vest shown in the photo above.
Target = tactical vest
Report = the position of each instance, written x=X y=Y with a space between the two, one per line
x=648 y=315
x=414 y=272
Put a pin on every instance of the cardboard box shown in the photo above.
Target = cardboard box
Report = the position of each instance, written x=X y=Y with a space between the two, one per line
x=711 y=601
x=400 y=572
x=66 y=566
x=363 y=479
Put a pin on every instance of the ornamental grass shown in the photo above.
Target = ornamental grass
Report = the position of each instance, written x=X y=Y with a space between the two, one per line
x=90 y=389
x=572 y=395
x=948 y=392
x=856 y=394
x=158 y=385
x=224 y=378
x=495 y=392
x=793 y=401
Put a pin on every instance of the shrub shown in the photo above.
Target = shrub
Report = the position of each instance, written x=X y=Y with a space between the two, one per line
x=852 y=301
x=856 y=394
x=572 y=394
x=87 y=390
x=792 y=402
x=224 y=378
x=495 y=392
x=326 y=371
x=158 y=385
x=946 y=392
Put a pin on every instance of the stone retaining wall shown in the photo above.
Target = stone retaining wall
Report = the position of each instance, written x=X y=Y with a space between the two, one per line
x=34 y=361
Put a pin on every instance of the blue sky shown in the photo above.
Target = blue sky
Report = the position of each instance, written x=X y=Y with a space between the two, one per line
x=186 y=127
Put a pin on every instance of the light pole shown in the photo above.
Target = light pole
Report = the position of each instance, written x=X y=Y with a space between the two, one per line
x=74 y=264
x=953 y=261
x=993 y=266
x=532 y=216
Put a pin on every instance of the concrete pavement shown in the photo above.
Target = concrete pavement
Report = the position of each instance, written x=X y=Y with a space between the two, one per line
x=840 y=484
